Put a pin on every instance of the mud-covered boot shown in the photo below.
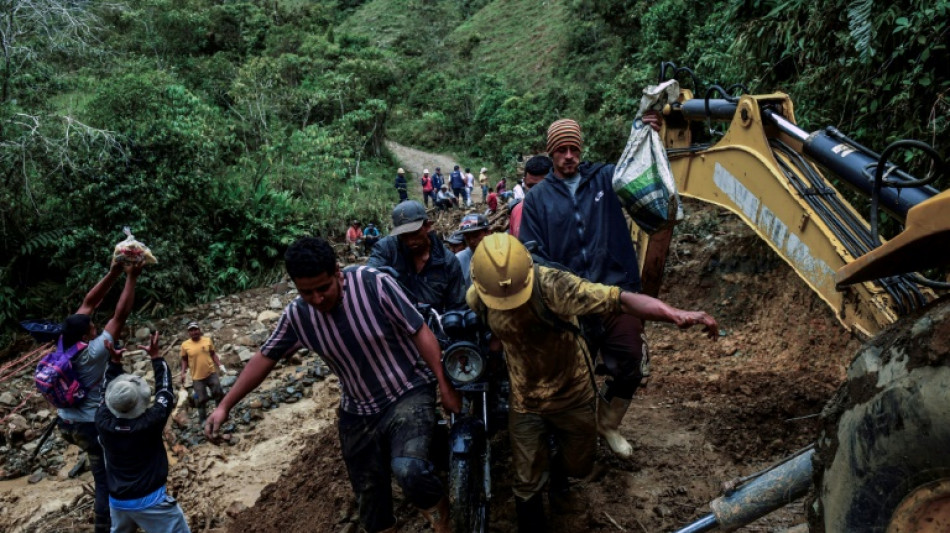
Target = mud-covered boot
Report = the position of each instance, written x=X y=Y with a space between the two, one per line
x=530 y=515
x=609 y=415
x=438 y=516
x=202 y=415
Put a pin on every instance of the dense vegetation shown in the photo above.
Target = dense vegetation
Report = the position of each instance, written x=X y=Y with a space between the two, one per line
x=220 y=130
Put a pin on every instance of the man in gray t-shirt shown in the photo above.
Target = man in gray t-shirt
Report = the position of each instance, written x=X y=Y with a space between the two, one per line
x=77 y=424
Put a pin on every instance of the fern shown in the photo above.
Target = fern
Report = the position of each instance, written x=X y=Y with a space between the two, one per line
x=42 y=240
x=859 y=22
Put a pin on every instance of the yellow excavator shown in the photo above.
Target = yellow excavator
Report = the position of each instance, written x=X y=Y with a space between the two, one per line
x=882 y=459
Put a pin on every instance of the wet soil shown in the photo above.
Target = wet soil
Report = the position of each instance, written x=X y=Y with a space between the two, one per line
x=710 y=412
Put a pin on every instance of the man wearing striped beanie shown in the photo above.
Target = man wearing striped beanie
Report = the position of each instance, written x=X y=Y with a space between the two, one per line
x=576 y=220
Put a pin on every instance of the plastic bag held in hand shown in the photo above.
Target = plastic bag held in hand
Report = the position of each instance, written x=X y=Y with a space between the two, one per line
x=132 y=252
x=643 y=179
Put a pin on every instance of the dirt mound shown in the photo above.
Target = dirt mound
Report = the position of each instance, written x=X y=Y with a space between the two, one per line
x=711 y=411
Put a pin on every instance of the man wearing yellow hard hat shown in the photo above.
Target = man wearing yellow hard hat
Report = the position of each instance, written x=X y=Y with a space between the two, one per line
x=533 y=311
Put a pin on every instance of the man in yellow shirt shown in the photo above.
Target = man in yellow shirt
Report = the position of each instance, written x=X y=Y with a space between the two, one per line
x=549 y=365
x=198 y=354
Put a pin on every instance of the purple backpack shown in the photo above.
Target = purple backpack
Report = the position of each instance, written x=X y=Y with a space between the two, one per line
x=56 y=379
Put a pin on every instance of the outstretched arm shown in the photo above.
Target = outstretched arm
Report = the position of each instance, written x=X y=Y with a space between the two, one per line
x=98 y=292
x=649 y=308
x=249 y=379
x=126 y=300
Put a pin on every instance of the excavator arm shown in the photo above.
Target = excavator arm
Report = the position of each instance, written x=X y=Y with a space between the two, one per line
x=759 y=170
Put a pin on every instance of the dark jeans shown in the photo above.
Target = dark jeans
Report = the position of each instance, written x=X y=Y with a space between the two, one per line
x=84 y=435
x=203 y=386
x=624 y=352
x=393 y=443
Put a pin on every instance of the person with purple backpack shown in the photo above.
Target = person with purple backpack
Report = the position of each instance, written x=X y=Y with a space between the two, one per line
x=81 y=338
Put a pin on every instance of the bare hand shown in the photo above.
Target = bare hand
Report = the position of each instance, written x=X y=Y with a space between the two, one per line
x=152 y=348
x=114 y=355
x=213 y=423
x=686 y=319
x=133 y=269
x=451 y=399
x=653 y=119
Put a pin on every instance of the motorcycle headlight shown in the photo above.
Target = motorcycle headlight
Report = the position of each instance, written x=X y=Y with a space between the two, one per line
x=463 y=363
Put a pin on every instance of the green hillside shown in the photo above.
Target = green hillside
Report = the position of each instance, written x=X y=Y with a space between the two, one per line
x=519 y=42
x=221 y=131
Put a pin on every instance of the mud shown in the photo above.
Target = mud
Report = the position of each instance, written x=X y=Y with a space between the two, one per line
x=709 y=413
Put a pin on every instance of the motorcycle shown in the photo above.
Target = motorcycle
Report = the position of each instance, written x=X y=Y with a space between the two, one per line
x=481 y=377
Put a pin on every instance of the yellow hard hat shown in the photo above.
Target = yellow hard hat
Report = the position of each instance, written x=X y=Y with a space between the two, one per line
x=502 y=272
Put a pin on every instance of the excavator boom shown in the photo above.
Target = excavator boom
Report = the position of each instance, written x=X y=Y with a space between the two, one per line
x=759 y=170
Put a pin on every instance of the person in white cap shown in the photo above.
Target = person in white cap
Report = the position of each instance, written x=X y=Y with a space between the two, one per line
x=483 y=181
x=130 y=431
x=401 y=185
x=427 y=190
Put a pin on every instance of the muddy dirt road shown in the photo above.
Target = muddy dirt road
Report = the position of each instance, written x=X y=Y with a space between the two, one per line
x=710 y=412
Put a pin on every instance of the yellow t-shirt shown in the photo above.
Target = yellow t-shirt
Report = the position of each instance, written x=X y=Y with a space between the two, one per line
x=198 y=355
x=546 y=365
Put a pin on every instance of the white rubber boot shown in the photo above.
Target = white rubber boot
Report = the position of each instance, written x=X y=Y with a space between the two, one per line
x=609 y=416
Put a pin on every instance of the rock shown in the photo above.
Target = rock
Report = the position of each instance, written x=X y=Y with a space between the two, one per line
x=275 y=303
x=217 y=324
x=235 y=509
x=294 y=360
x=7 y=398
x=37 y=476
x=244 y=340
x=30 y=446
x=181 y=419
x=43 y=414
x=17 y=425
x=30 y=434
x=255 y=404
x=142 y=334
x=229 y=380
x=267 y=316
x=244 y=354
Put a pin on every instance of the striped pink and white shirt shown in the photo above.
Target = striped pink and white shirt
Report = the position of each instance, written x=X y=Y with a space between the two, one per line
x=366 y=340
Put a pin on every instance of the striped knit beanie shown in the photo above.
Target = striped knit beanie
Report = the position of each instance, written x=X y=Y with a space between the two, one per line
x=564 y=131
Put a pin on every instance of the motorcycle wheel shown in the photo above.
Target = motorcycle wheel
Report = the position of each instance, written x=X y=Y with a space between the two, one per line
x=468 y=511
x=882 y=462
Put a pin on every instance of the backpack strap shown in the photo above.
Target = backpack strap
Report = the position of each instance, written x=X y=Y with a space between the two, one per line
x=540 y=307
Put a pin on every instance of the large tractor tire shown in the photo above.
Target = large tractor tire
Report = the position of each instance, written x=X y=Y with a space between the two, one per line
x=883 y=456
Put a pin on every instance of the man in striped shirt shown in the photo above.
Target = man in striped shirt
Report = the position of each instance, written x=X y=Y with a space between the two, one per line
x=372 y=337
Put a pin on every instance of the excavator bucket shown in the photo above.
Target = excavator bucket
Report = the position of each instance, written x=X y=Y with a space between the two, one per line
x=924 y=243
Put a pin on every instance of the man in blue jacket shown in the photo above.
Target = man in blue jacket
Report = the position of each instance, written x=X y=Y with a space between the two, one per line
x=576 y=220
x=438 y=179
x=426 y=269
x=458 y=186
